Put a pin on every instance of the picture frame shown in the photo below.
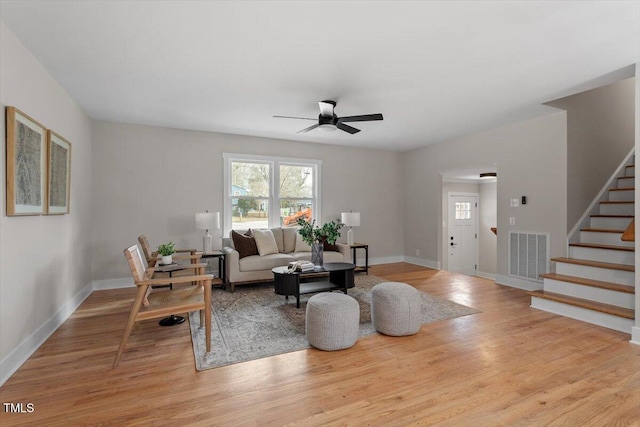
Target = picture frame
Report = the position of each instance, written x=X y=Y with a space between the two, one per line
x=59 y=174
x=26 y=165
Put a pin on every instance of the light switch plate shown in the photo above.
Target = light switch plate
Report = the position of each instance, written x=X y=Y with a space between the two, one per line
x=515 y=203
x=512 y=220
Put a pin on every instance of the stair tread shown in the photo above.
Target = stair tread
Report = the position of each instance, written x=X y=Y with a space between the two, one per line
x=601 y=246
x=626 y=177
x=584 y=303
x=590 y=282
x=611 y=216
x=599 y=264
x=615 y=202
x=602 y=230
x=622 y=189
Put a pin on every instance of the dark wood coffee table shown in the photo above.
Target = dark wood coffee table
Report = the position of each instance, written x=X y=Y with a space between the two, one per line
x=340 y=278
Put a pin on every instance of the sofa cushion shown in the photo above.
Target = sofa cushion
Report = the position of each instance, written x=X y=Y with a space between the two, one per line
x=301 y=246
x=266 y=262
x=279 y=238
x=266 y=242
x=289 y=239
x=245 y=243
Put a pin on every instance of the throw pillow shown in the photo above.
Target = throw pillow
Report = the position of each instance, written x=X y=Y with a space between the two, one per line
x=330 y=247
x=301 y=246
x=245 y=244
x=266 y=242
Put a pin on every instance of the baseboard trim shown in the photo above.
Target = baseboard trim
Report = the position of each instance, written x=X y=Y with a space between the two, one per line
x=14 y=360
x=484 y=275
x=382 y=260
x=422 y=262
x=635 y=335
x=106 y=284
x=517 y=283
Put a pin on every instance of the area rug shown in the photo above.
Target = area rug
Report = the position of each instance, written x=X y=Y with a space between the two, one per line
x=254 y=322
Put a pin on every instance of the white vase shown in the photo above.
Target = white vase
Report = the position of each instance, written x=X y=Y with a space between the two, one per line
x=167 y=259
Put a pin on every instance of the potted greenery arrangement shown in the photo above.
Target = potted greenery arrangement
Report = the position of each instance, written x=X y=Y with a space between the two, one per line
x=166 y=250
x=316 y=236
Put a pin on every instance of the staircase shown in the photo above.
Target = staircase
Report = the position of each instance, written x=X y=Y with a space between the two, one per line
x=596 y=282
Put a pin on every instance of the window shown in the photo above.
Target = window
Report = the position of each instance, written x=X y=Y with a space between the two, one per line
x=253 y=200
x=463 y=210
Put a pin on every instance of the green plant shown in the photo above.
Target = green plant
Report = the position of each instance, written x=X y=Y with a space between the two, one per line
x=311 y=233
x=167 y=249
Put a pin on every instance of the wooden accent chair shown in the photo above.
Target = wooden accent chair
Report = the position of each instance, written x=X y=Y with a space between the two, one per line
x=157 y=304
x=152 y=256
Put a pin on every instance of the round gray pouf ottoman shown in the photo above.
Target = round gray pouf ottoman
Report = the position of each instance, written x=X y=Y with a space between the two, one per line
x=396 y=309
x=332 y=321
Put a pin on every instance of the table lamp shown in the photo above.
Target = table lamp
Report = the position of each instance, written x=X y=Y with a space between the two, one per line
x=350 y=219
x=207 y=221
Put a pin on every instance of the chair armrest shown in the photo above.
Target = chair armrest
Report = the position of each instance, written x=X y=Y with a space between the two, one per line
x=191 y=251
x=174 y=280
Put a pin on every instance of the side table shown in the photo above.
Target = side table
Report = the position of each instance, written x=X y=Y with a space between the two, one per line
x=356 y=246
x=221 y=264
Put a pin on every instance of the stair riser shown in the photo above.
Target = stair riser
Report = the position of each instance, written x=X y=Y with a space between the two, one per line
x=614 y=223
x=622 y=196
x=616 y=208
x=602 y=255
x=631 y=171
x=601 y=319
x=626 y=182
x=607 y=296
x=596 y=273
x=603 y=238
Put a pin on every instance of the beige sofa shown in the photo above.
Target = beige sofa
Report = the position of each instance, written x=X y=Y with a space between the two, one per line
x=256 y=268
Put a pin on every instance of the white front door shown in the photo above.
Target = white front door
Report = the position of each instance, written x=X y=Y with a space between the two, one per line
x=462 y=237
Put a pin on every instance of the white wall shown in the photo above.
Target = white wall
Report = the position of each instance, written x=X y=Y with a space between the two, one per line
x=600 y=133
x=153 y=180
x=530 y=158
x=488 y=257
x=45 y=260
x=635 y=330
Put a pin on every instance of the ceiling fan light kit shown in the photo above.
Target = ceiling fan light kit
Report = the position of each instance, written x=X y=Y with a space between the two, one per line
x=328 y=121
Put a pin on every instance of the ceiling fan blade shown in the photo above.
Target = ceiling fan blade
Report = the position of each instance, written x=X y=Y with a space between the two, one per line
x=363 y=118
x=347 y=128
x=291 y=117
x=305 y=130
x=326 y=108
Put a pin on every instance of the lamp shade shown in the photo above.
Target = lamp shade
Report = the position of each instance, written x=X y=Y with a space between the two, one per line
x=208 y=220
x=351 y=219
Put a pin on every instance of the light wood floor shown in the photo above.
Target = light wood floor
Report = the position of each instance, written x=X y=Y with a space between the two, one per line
x=509 y=365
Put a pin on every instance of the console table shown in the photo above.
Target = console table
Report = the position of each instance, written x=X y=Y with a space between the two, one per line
x=340 y=278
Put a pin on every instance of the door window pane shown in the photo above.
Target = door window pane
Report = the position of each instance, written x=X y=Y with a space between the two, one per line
x=463 y=210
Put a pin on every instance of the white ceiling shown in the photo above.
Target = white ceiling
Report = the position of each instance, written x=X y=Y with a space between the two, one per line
x=436 y=70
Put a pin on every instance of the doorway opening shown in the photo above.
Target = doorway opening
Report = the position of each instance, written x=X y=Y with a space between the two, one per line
x=469 y=218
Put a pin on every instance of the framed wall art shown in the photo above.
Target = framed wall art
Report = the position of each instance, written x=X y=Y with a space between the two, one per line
x=59 y=167
x=26 y=165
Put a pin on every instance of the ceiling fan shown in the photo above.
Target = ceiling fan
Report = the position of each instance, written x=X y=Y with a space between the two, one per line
x=327 y=120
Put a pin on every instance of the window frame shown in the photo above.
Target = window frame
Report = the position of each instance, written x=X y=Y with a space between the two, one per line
x=273 y=197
